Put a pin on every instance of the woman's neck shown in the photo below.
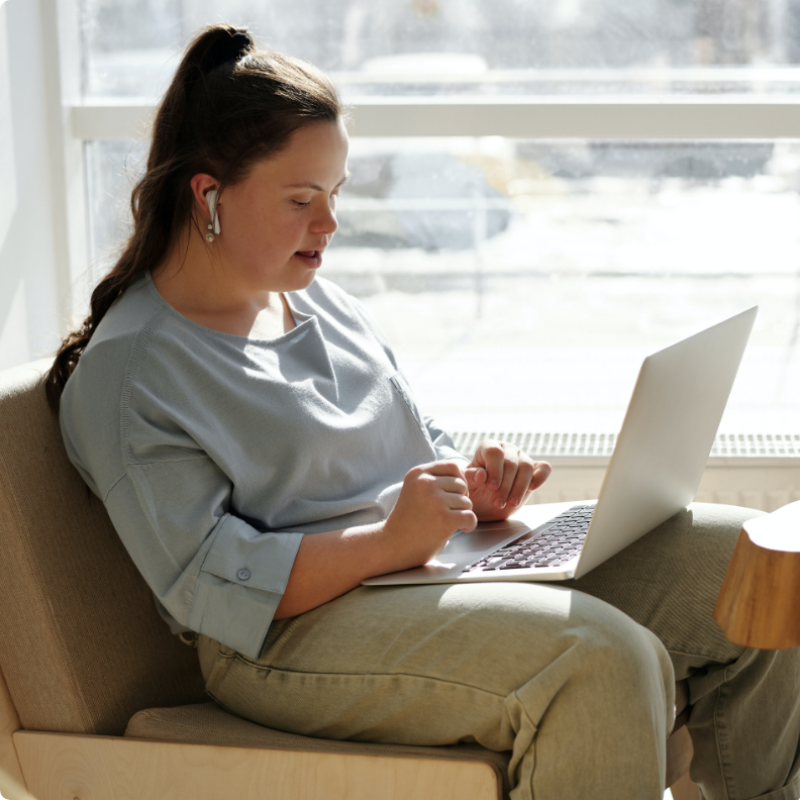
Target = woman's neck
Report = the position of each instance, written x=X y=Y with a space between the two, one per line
x=196 y=286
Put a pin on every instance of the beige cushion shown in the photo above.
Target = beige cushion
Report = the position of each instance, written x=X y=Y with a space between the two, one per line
x=81 y=644
x=207 y=723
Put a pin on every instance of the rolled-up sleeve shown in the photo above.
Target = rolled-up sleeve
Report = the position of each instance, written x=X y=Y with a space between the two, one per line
x=211 y=570
x=241 y=582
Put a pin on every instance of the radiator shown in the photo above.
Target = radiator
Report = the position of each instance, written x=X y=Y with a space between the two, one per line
x=757 y=470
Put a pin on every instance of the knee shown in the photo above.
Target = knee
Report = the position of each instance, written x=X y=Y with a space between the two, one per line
x=715 y=526
x=628 y=661
x=611 y=674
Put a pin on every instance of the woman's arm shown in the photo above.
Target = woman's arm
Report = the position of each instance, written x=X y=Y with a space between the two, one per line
x=436 y=500
x=433 y=504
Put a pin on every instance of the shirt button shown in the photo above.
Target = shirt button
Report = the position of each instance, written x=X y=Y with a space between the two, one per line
x=243 y=574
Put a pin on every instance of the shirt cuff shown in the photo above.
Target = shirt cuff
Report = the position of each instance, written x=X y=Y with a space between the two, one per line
x=241 y=582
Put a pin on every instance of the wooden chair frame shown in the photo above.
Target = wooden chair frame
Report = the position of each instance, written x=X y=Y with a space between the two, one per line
x=63 y=766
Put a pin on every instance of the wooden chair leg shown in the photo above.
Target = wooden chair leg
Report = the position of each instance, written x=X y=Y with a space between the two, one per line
x=684 y=789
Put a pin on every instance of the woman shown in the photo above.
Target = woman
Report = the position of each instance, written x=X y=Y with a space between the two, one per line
x=260 y=455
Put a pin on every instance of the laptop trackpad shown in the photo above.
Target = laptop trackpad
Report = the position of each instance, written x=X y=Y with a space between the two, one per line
x=487 y=536
x=461 y=550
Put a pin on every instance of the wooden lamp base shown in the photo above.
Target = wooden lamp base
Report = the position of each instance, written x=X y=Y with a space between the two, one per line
x=759 y=603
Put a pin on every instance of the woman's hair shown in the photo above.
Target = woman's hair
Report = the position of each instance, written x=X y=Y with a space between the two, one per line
x=228 y=106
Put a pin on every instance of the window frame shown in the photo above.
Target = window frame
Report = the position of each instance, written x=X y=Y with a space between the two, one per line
x=639 y=117
x=643 y=117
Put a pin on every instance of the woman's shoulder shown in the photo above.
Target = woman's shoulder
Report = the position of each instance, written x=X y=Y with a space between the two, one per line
x=91 y=401
x=108 y=353
x=130 y=368
x=131 y=313
x=137 y=341
x=141 y=333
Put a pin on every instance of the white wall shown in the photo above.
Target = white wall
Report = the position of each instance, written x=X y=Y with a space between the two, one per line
x=30 y=320
x=8 y=196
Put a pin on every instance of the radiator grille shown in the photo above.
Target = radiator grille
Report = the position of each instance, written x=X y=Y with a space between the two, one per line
x=542 y=444
x=786 y=445
x=741 y=445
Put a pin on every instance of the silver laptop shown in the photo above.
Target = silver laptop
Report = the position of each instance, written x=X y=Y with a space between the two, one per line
x=654 y=472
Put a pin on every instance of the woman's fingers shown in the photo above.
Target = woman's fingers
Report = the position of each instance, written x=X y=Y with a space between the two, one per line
x=491 y=455
x=531 y=475
x=541 y=472
x=443 y=468
x=476 y=476
x=450 y=480
x=433 y=503
x=509 y=471
x=510 y=474
x=453 y=485
x=522 y=481
x=458 y=502
x=466 y=519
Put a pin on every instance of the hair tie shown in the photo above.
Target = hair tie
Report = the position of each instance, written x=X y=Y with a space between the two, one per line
x=225 y=49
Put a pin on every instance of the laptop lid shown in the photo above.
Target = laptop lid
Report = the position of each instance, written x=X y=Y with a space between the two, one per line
x=669 y=428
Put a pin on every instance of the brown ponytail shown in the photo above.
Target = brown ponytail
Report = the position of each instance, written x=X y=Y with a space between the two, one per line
x=227 y=107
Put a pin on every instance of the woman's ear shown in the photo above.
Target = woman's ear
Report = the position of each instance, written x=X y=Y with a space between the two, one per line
x=201 y=185
x=205 y=189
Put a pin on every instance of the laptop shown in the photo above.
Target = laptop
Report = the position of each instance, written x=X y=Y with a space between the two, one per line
x=654 y=472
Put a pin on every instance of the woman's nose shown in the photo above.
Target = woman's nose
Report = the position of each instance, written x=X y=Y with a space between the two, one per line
x=325 y=221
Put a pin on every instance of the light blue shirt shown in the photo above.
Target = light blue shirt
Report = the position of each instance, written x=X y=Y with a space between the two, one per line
x=215 y=454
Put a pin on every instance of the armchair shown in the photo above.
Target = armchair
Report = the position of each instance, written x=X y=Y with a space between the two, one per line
x=99 y=700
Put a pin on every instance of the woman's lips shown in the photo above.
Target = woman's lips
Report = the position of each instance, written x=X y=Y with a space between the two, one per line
x=312 y=258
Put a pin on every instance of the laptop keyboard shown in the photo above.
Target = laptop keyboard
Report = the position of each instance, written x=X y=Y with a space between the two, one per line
x=554 y=546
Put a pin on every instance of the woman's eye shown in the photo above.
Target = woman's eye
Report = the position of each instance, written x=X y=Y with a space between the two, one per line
x=299 y=204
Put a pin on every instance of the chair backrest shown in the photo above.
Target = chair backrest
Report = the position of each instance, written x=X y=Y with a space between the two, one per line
x=82 y=646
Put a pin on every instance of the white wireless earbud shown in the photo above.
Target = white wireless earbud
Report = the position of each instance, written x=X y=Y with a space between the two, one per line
x=213 y=226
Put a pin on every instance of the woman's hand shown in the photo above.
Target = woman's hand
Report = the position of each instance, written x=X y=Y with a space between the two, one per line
x=433 y=504
x=500 y=478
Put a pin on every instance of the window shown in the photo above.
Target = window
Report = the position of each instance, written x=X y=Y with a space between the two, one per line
x=423 y=47
x=615 y=176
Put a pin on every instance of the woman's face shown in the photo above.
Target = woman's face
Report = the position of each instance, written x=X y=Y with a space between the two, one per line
x=276 y=223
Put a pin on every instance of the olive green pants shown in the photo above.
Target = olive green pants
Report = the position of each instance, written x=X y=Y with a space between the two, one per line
x=575 y=679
